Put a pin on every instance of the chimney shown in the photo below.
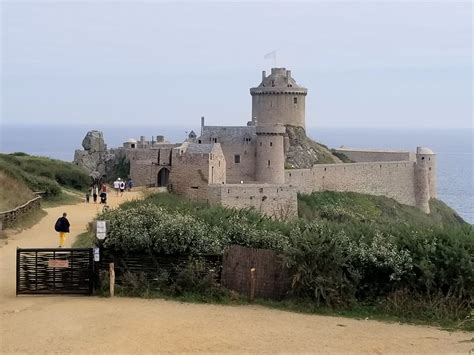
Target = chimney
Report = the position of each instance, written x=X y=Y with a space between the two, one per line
x=202 y=124
x=264 y=75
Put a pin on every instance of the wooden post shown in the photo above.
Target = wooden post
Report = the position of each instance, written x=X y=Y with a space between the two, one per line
x=112 y=279
x=252 y=285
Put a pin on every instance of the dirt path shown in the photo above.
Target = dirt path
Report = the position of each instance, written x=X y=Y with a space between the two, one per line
x=63 y=324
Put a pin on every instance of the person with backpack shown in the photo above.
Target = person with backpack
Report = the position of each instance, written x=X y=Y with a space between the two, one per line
x=122 y=187
x=62 y=226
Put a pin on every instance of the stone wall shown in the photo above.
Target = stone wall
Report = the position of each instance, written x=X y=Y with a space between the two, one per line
x=235 y=141
x=277 y=201
x=362 y=155
x=391 y=179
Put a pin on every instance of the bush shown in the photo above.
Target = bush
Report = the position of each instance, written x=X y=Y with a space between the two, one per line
x=350 y=253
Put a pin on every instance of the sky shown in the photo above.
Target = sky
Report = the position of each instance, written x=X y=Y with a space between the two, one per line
x=365 y=64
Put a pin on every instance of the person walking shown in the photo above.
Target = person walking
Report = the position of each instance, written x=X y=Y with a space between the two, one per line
x=117 y=186
x=62 y=226
x=129 y=185
x=88 y=195
x=122 y=187
x=95 y=193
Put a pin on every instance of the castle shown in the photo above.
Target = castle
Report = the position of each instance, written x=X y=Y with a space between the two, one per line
x=247 y=166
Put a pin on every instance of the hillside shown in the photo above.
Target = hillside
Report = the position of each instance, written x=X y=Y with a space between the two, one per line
x=303 y=152
x=43 y=174
x=13 y=192
x=355 y=208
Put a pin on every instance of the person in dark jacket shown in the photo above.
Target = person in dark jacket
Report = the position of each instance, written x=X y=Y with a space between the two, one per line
x=62 y=226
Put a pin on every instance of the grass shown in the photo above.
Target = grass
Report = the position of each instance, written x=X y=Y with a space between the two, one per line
x=84 y=240
x=13 y=192
x=66 y=197
x=378 y=210
x=42 y=174
x=359 y=311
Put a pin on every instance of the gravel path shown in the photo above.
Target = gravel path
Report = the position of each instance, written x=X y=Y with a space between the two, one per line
x=67 y=324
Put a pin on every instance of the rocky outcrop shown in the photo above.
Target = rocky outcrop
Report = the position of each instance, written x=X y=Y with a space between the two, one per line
x=94 y=142
x=95 y=157
x=302 y=152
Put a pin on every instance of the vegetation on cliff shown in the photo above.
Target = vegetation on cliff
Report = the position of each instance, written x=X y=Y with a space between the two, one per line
x=303 y=152
x=13 y=192
x=345 y=251
x=42 y=174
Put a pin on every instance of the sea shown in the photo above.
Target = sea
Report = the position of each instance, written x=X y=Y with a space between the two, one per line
x=454 y=148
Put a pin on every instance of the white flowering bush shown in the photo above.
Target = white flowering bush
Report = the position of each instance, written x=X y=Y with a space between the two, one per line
x=338 y=260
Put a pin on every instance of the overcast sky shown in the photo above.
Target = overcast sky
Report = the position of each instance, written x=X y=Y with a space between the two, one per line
x=365 y=64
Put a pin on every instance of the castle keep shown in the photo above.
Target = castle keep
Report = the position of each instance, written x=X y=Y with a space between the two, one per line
x=248 y=166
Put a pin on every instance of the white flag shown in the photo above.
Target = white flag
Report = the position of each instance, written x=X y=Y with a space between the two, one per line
x=271 y=55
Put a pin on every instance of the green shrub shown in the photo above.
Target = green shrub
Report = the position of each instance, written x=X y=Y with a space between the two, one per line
x=44 y=174
x=345 y=250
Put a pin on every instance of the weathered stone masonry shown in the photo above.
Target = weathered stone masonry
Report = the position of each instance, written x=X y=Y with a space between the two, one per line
x=244 y=166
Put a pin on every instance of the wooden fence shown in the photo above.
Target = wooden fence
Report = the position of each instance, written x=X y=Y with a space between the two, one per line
x=255 y=272
x=154 y=267
x=8 y=218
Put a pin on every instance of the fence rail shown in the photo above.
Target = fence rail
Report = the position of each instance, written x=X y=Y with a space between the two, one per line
x=155 y=266
x=7 y=218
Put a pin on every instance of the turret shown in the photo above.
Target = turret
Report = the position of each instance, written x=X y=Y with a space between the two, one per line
x=278 y=100
x=425 y=178
x=270 y=160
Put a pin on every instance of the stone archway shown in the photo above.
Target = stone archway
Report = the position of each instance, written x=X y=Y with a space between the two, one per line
x=163 y=177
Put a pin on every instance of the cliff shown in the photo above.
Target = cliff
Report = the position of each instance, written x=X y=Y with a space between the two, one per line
x=303 y=152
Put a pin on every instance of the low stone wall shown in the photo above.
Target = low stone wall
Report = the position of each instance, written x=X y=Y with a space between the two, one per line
x=8 y=218
x=278 y=201
x=391 y=179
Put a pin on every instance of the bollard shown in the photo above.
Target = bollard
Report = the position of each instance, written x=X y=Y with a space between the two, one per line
x=252 y=285
x=112 y=279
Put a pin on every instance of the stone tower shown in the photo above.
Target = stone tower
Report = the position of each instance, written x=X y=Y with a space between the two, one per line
x=425 y=178
x=270 y=159
x=278 y=100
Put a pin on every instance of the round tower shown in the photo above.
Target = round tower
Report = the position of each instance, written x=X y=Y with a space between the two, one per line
x=425 y=178
x=278 y=100
x=270 y=159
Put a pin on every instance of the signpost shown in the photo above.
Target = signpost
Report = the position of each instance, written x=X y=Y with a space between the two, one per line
x=101 y=230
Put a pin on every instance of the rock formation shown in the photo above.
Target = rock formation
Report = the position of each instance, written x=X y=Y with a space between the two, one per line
x=302 y=152
x=95 y=157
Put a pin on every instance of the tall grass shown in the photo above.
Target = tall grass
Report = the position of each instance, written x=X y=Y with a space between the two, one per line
x=44 y=174
x=13 y=192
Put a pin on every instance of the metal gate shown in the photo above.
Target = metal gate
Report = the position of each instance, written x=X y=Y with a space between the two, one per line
x=54 y=271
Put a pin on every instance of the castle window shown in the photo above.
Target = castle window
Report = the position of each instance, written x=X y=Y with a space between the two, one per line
x=260 y=144
x=295 y=100
x=219 y=163
x=273 y=82
x=195 y=187
x=199 y=141
x=271 y=144
x=237 y=159
x=215 y=140
x=133 y=145
x=430 y=169
x=422 y=158
x=271 y=103
x=260 y=190
x=269 y=163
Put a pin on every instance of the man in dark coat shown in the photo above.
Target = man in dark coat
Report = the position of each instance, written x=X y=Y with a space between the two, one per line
x=62 y=226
